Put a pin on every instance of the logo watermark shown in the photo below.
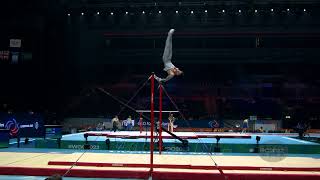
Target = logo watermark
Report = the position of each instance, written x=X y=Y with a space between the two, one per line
x=273 y=151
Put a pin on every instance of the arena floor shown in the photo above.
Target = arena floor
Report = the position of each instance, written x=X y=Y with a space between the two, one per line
x=31 y=162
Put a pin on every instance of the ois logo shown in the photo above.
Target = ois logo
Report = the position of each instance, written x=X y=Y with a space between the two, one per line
x=213 y=124
x=13 y=126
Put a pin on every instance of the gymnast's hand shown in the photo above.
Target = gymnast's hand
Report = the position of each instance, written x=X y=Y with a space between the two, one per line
x=162 y=80
x=158 y=79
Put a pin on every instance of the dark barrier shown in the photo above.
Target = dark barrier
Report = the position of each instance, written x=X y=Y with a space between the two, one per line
x=4 y=138
x=191 y=123
x=53 y=131
x=22 y=124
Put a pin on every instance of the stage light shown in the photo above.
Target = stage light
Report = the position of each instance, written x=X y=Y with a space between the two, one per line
x=288 y=9
x=304 y=10
x=205 y=11
x=177 y=12
x=98 y=13
x=159 y=12
x=111 y=13
x=143 y=12
x=68 y=14
x=271 y=10
x=191 y=12
x=255 y=11
x=126 y=12
x=239 y=11
x=223 y=11
x=82 y=14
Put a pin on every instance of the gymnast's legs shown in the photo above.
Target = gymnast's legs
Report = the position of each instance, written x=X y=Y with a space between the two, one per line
x=166 y=58
x=167 y=54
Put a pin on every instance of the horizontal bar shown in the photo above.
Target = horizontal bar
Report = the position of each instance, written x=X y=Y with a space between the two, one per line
x=154 y=111
x=169 y=137
x=217 y=34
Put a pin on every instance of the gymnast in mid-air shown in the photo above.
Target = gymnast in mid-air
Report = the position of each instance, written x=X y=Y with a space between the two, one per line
x=166 y=58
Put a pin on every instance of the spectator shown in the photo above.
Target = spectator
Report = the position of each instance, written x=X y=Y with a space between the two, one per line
x=129 y=123
x=115 y=123
x=245 y=126
x=125 y=124
x=132 y=123
x=260 y=130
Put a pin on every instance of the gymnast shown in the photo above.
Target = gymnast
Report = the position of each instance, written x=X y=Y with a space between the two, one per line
x=166 y=58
